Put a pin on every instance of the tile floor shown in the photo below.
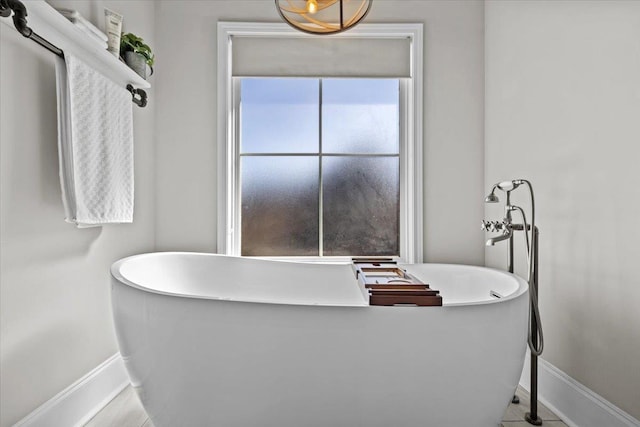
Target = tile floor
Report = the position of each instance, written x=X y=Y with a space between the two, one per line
x=125 y=410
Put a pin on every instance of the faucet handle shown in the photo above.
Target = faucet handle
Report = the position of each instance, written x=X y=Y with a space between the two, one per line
x=494 y=226
x=489 y=225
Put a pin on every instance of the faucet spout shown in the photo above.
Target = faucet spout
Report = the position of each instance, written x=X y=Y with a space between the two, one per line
x=504 y=236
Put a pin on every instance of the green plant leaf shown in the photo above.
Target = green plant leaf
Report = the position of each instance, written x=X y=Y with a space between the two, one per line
x=131 y=43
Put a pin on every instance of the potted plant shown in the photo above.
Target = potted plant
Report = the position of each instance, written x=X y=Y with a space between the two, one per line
x=136 y=53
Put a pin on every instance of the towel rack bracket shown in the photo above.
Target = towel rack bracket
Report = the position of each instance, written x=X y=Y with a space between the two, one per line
x=20 y=22
x=139 y=96
x=19 y=15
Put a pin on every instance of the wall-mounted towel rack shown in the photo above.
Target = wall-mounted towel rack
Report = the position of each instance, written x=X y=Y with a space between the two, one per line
x=58 y=35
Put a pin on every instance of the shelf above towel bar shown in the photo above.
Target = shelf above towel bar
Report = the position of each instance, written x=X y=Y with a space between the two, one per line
x=57 y=34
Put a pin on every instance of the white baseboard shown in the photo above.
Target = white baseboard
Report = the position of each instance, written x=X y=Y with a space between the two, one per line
x=79 y=402
x=574 y=403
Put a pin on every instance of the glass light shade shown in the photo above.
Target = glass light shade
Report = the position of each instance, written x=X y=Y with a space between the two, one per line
x=323 y=16
x=312 y=6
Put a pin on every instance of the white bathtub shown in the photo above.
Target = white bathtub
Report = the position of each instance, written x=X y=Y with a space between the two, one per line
x=211 y=340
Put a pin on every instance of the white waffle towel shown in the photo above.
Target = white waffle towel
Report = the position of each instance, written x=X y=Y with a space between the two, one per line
x=95 y=144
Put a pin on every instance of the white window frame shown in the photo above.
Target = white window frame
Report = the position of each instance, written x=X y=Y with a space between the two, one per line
x=411 y=157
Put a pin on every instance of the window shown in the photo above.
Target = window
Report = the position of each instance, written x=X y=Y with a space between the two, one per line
x=319 y=166
x=336 y=161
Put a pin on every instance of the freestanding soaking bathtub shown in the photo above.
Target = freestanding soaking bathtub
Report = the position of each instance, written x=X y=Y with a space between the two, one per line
x=212 y=340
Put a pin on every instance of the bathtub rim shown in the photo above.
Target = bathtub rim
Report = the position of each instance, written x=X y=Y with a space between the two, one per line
x=523 y=286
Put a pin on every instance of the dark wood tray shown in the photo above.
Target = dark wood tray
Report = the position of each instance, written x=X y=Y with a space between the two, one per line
x=421 y=301
x=388 y=284
x=404 y=292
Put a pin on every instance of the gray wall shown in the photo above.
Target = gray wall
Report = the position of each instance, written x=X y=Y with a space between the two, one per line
x=563 y=110
x=55 y=312
x=453 y=121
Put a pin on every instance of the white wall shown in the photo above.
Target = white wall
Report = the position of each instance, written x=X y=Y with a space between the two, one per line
x=453 y=122
x=563 y=110
x=55 y=313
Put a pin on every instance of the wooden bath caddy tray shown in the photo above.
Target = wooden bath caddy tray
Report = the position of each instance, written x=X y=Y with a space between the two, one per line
x=387 y=284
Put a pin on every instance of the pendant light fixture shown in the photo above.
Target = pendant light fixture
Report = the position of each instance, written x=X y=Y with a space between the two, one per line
x=323 y=16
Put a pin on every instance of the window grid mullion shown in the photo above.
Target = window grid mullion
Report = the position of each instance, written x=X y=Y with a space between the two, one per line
x=320 y=177
x=266 y=154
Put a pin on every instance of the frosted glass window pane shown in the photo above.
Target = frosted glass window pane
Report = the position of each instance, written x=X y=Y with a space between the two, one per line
x=279 y=115
x=360 y=116
x=360 y=200
x=280 y=211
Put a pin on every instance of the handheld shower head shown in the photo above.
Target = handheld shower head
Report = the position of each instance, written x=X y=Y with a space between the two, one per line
x=504 y=186
x=492 y=198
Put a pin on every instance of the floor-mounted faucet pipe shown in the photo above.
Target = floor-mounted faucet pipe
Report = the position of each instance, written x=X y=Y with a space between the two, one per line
x=510 y=242
x=535 y=338
x=536 y=346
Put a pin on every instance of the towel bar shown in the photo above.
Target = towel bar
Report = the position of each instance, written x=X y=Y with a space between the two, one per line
x=138 y=96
